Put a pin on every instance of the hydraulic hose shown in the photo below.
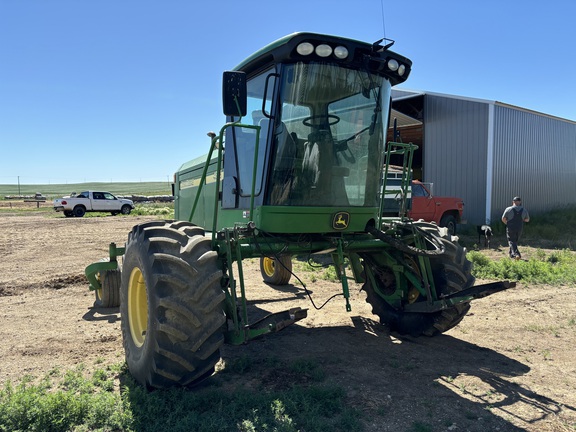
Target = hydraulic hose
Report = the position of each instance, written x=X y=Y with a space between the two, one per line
x=435 y=241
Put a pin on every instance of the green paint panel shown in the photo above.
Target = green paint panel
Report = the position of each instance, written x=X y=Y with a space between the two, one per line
x=285 y=219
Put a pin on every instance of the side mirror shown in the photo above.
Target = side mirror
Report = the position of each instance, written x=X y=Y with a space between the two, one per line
x=234 y=94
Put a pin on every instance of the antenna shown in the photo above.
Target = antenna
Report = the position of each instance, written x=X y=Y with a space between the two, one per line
x=376 y=47
x=383 y=20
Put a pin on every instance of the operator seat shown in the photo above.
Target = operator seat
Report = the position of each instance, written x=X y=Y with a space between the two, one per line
x=322 y=176
x=284 y=172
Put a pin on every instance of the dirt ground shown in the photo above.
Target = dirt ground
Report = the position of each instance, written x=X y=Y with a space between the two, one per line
x=509 y=366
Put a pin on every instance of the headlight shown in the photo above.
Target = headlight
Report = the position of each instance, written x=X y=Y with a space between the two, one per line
x=393 y=65
x=341 y=52
x=401 y=70
x=323 y=50
x=305 y=48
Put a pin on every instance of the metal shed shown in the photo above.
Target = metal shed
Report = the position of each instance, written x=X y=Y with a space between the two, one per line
x=486 y=152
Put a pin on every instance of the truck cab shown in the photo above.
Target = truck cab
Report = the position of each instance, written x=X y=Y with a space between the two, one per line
x=445 y=211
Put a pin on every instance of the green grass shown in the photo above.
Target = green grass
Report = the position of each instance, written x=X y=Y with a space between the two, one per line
x=549 y=242
x=58 y=190
x=162 y=210
x=74 y=401
x=63 y=403
x=554 y=268
x=316 y=270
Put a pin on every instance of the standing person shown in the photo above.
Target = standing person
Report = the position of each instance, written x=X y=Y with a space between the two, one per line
x=514 y=218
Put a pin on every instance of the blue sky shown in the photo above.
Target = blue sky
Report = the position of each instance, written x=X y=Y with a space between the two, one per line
x=126 y=90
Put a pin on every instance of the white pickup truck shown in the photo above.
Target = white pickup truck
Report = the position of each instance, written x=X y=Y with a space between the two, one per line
x=92 y=201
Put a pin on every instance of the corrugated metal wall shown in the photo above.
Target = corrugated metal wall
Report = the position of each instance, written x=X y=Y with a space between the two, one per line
x=523 y=152
x=455 y=151
x=534 y=157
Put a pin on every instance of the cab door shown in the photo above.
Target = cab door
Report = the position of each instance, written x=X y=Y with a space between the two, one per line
x=240 y=146
x=423 y=206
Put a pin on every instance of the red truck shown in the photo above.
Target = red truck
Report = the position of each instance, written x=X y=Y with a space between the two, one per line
x=445 y=211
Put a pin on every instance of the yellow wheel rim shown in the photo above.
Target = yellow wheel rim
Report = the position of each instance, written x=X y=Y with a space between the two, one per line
x=137 y=307
x=413 y=293
x=268 y=266
x=99 y=290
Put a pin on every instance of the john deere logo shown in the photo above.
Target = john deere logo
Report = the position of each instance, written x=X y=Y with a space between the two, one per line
x=341 y=220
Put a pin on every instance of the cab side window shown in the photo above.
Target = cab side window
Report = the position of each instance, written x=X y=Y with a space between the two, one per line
x=419 y=191
x=245 y=139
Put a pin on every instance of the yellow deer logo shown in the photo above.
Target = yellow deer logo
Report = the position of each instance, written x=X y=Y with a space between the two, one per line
x=341 y=220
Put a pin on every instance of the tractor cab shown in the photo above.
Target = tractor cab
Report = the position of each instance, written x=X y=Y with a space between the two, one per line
x=304 y=143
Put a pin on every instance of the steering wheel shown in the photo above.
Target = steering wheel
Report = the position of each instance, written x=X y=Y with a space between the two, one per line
x=332 y=120
x=342 y=145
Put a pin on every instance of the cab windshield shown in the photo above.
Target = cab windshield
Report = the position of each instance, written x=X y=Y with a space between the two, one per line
x=328 y=138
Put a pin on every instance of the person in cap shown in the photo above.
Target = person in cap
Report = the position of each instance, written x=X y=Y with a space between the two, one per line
x=514 y=218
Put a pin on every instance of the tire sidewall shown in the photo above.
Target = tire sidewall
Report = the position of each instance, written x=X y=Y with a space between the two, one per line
x=79 y=211
x=139 y=359
x=282 y=270
x=449 y=222
x=110 y=281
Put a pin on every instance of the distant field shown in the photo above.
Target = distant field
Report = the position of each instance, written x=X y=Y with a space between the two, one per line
x=55 y=190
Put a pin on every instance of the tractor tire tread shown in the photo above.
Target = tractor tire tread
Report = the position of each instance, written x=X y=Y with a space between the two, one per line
x=185 y=305
x=451 y=272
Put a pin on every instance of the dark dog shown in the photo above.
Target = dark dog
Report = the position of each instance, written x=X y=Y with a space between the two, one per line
x=486 y=232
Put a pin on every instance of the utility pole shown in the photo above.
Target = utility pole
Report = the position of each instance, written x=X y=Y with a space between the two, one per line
x=19 y=194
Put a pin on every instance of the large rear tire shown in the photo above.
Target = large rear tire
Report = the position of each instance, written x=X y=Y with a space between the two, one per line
x=277 y=270
x=171 y=305
x=452 y=273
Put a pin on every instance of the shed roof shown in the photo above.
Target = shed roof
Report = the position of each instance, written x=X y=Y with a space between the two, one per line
x=400 y=94
x=402 y=119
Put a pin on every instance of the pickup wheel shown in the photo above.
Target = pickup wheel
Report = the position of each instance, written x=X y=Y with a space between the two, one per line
x=126 y=209
x=449 y=222
x=79 y=211
x=277 y=270
x=172 y=304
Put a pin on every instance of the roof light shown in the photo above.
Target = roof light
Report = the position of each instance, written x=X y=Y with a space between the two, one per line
x=341 y=52
x=393 y=65
x=323 y=50
x=401 y=70
x=305 y=48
